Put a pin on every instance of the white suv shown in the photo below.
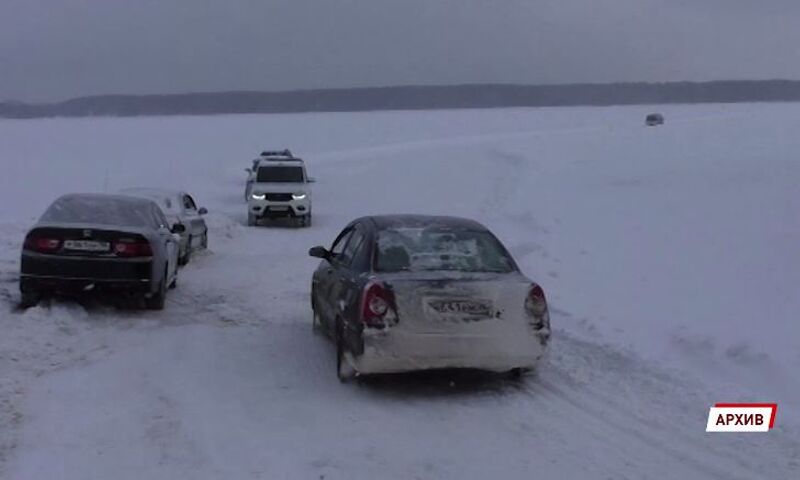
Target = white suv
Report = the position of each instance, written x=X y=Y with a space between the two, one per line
x=277 y=187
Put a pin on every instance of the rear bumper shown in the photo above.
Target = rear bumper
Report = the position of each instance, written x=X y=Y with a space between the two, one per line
x=393 y=352
x=53 y=273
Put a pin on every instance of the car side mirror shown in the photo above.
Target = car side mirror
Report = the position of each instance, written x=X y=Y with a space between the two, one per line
x=178 y=228
x=319 y=252
x=311 y=180
x=202 y=211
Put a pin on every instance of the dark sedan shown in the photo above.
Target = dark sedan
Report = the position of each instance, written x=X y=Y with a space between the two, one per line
x=98 y=243
x=411 y=292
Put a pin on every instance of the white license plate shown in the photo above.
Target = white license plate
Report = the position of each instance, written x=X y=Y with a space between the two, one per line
x=461 y=307
x=87 y=245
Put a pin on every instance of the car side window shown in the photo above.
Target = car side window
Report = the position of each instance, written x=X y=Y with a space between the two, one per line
x=350 y=250
x=188 y=203
x=159 y=220
x=340 y=242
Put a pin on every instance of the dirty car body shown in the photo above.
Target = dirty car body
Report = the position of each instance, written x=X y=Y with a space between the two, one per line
x=410 y=292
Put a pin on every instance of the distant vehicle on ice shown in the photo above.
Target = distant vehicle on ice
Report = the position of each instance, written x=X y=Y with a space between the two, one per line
x=654 y=119
x=411 y=292
x=86 y=243
x=180 y=208
x=277 y=187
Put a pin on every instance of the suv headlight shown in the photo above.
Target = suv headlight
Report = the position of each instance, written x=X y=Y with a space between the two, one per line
x=258 y=196
x=298 y=196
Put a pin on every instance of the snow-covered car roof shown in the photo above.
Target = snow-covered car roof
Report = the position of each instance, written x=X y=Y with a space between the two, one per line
x=418 y=221
x=166 y=198
x=98 y=208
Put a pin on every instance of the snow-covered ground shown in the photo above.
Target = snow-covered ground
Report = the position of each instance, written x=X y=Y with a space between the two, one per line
x=669 y=255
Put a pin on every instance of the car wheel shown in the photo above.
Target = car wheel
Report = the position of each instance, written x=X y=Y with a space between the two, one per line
x=316 y=324
x=187 y=255
x=251 y=220
x=29 y=299
x=344 y=371
x=204 y=242
x=307 y=221
x=157 y=300
x=516 y=374
x=174 y=283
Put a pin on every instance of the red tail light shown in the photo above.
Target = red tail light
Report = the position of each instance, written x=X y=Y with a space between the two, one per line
x=42 y=244
x=377 y=306
x=535 y=303
x=131 y=248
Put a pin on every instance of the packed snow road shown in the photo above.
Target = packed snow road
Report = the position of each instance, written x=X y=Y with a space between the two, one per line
x=658 y=248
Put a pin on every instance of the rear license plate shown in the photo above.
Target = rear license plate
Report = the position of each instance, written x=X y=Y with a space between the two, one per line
x=87 y=245
x=461 y=307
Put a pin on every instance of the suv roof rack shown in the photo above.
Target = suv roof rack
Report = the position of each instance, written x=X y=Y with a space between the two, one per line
x=277 y=153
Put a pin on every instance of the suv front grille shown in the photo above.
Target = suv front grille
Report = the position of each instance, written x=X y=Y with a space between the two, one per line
x=279 y=197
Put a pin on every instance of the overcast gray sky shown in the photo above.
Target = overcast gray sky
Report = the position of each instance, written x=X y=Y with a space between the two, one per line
x=56 y=49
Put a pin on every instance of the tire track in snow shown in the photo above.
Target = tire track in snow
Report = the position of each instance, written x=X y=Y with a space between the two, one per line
x=599 y=402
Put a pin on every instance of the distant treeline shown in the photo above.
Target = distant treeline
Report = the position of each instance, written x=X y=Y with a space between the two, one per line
x=412 y=98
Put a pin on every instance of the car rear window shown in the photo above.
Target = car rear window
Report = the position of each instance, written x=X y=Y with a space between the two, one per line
x=421 y=249
x=103 y=211
x=283 y=174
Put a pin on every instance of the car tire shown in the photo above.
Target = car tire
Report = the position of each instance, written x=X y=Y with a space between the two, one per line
x=29 y=299
x=204 y=242
x=516 y=374
x=316 y=322
x=157 y=300
x=187 y=255
x=344 y=371
x=251 y=220
x=307 y=221
x=174 y=283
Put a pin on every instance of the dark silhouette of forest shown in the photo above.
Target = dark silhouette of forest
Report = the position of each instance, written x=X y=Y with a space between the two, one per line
x=411 y=98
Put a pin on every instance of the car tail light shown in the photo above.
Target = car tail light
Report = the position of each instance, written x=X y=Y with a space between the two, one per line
x=535 y=303
x=377 y=306
x=42 y=244
x=132 y=248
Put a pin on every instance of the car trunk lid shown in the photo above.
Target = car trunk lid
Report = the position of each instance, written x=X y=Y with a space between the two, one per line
x=456 y=302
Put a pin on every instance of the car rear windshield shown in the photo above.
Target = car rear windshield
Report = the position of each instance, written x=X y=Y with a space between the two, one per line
x=422 y=249
x=280 y=174
x=103 y=211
